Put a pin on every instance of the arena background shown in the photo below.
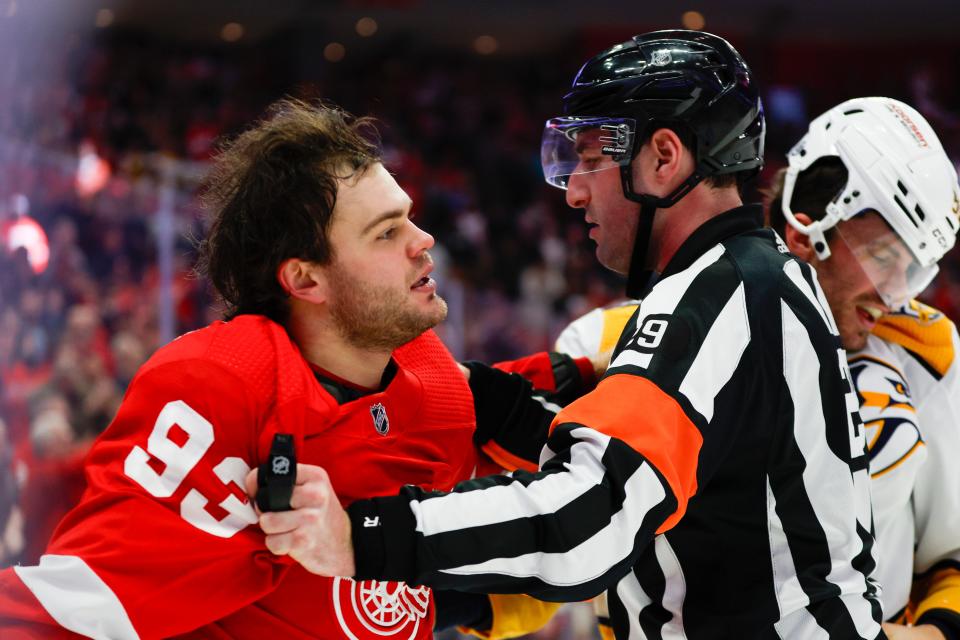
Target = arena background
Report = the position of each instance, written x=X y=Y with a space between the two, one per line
x=109 y=112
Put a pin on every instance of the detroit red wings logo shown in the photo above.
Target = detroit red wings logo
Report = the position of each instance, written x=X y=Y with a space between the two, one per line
x=374 y=609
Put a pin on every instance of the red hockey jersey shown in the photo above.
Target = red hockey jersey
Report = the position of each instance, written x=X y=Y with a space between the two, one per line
x=164 y=542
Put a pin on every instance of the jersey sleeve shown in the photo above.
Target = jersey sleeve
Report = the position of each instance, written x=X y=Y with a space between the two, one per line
x=595 y=332
x=619 y=467
x=936 y=500
x=162 y=541
x=516 y=401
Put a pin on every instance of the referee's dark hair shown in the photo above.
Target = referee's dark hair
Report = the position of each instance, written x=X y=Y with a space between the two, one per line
x=270 y=196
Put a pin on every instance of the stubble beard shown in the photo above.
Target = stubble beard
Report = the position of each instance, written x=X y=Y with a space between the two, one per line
x=380 y=318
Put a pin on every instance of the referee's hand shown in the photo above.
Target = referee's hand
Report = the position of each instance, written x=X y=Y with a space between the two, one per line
x=316 y=531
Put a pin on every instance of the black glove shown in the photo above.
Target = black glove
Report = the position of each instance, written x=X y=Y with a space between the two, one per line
x=278 y=475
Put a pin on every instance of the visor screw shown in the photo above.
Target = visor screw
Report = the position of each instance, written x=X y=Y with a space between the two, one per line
x=818 y=246
x=856 y=194
x=846 y=200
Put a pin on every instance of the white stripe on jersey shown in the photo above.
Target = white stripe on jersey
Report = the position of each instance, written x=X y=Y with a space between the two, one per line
x=75 y=596
x=800 y=624
x=633 y=358
x=593 y=557
x=675 y=588
x=790 y=595
x=795 y=274
x=503 y=503
x=719 y=355
x=546 y=404
x=826 y=478
x=663 y=299
x=634 y=600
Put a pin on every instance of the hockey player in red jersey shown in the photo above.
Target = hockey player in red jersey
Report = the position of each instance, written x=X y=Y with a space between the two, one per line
x=327 y=354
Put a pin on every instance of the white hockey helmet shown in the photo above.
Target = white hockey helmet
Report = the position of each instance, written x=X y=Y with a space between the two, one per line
x=896 y=166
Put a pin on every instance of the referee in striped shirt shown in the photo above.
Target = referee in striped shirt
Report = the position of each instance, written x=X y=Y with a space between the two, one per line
x=714 y=485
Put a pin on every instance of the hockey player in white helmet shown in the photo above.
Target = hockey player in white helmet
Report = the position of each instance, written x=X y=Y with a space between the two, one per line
x=871 y=200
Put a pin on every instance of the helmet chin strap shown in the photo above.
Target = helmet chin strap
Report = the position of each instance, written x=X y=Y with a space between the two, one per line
x=639 y=277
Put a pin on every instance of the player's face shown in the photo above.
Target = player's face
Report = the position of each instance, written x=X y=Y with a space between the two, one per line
x=381 y=292
x=612 y=218
x=859 y=263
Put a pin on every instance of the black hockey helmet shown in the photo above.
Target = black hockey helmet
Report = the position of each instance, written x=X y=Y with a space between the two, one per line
x=692 y=82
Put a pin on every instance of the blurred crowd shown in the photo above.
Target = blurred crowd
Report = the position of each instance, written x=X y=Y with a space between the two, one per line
x=82 y=146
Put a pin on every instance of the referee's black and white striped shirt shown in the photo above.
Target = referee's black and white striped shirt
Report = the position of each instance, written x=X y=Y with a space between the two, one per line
x=714 y=484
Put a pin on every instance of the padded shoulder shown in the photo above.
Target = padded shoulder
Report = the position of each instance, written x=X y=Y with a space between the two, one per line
x=923 y=331
x=446 y=394
x=596 y=331
x=254 y=348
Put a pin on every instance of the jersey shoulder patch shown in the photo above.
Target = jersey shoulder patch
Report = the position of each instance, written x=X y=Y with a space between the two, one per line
x=923 y=331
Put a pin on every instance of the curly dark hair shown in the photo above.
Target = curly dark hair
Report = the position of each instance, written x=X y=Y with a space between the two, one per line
x=270 y=196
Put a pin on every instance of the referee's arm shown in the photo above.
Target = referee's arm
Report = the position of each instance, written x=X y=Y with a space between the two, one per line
x=565 y=532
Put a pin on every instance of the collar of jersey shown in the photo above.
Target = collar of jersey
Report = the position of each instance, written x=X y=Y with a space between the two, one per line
x=344 y=391
x=712 y=232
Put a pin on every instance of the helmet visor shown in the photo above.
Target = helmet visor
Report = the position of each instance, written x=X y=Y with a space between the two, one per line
x=892 y=268
x=573 y=146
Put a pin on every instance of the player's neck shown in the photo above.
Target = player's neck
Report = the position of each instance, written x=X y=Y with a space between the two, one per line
x=321 y=344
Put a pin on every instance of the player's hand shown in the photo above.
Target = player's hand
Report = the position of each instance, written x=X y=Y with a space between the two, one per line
x=316 y=531
x=921 y=632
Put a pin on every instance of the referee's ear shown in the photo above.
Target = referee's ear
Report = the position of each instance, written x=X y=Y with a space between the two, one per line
x=799 y=242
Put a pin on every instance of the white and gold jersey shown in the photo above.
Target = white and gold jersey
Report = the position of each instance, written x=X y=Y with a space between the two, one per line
x=909 y=391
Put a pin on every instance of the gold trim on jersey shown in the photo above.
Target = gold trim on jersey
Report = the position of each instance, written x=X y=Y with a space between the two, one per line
x=884 y=401
x=917 y=445
x=614 y=320
x=941 y=590
x=515 y=614
x=880 y=425
x=922 y=330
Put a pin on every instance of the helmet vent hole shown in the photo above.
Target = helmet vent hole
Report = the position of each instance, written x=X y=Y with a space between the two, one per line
x=902 y=188
x=896 y=198
x=852 y=111
x=950 y=222
x=920 y=213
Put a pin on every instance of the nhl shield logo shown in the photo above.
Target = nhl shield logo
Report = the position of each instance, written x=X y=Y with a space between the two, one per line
x=281 y=465
x=661 y=58
x=380 y=421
